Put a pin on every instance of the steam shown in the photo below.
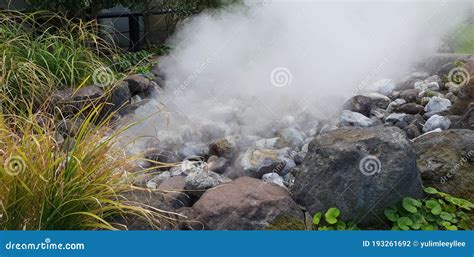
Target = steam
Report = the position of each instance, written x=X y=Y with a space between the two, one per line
x=266 y=60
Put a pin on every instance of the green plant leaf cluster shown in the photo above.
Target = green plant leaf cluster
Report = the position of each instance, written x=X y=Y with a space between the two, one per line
x=439 y=212
x=331 y=222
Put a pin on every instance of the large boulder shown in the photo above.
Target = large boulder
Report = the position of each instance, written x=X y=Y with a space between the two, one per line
x=244 y=204
x=137 y=84
x=361 y=171
x=446 y=161
x=350 y=118
x=71 y=101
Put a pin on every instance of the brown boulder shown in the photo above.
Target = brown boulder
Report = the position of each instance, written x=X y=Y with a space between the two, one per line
x=244 y=204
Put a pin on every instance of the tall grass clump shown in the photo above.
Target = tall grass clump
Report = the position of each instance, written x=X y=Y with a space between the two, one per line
x=47 y=184
x=43 y=52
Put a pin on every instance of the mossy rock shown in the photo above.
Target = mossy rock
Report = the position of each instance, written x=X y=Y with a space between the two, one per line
x=286 y=223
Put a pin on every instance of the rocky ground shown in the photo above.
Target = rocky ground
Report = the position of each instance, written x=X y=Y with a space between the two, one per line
x=384 y=146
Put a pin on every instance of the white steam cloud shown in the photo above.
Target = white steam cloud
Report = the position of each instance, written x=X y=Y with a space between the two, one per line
x=269 y=59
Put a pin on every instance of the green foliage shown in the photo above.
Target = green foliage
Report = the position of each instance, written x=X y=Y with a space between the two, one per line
x=331 y=222
x=441 y=211
x=133 y=61
x=463 y=38
x=38 y=58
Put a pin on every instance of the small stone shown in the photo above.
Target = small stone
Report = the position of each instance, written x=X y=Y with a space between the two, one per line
x=436 y=122
x=395 y=104
x=137 y=84
x=200 y=181
x=217 y=164
x=267 y=142
x=290 y=137
x=273 y=178
x=410 y=95
x=411 y=108
x=437 y=105
x=350 y=118
x=193 y=149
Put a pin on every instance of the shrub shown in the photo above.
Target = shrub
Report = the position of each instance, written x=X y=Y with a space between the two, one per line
x=43 y=52
x=46 y=184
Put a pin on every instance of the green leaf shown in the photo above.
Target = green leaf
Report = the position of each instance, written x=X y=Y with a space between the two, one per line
x=451 y=227
x=427 y=227
x=445 y=216
x=430 y=190
x=434 y=207
x=391 y=214
x=317 y=218
x=462 y=215
x=404 y=223
x=410 y=204
x=331 y=215
x=341 y=225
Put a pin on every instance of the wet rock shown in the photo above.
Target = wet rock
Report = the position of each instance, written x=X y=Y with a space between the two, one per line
x=395 y=104
x=255 y=162
x=193 y=149
x=364 y=103
x=217 y=164
x=290 y=137
x=199 y=181
x=411 y=108
x=273 y=178
x=350 y=118
x=437 y=105
x=361 y=171
x=446 y=161
x=244 y=204
x=436 y=122
x=137 y=84
x=410 y=95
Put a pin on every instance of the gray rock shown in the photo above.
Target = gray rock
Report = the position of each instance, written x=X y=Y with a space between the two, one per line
x=409 y=81
x=400 y=120
x=255 y=162
x=289 y=180
x=273 y=178
x=212 y=131
x=436 y=122
x=437 y=105
x=267 y=142
x=365 y=103
x=384 y=86
x=173 y=190
x=361 y=171
x=217 y=164
x=350 y=118
x=446 y=161
x=137 y=84
x=395 y=104
x=244 y=204
x=411 y=108
x=289 y=137
x=410 y=95
x=199 y=181
x=120 y=97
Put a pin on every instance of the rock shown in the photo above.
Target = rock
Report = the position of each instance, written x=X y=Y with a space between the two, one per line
x=72 y=101
x=156 y=180
x=422 y=86
x=70 y=127
x=395 y=104
x=273 y=178
x=212 y=131
x=255 y=162
x=137 y=84
x=361 y=171
x=289 y=180
x=379 y=113
x=364 y=103
x=200 y=181
x=289 y=137
x=169 y=139
x=412 y=131
x=120 y=96
x=409 y=81
x=436 y=62
x=222 y=148
x=400 y=120
x=267 y=142
x=411 y=108
x=217 y=164
x=350 y=118
x=186 y=167
x=425 y=100
x=193 y=149
x=436 y=122
x=158 y=157
x=174 y=192
x=466 y=121
x=446 y=161
x=437 y=105
x=244 y=204
x=410 y=95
